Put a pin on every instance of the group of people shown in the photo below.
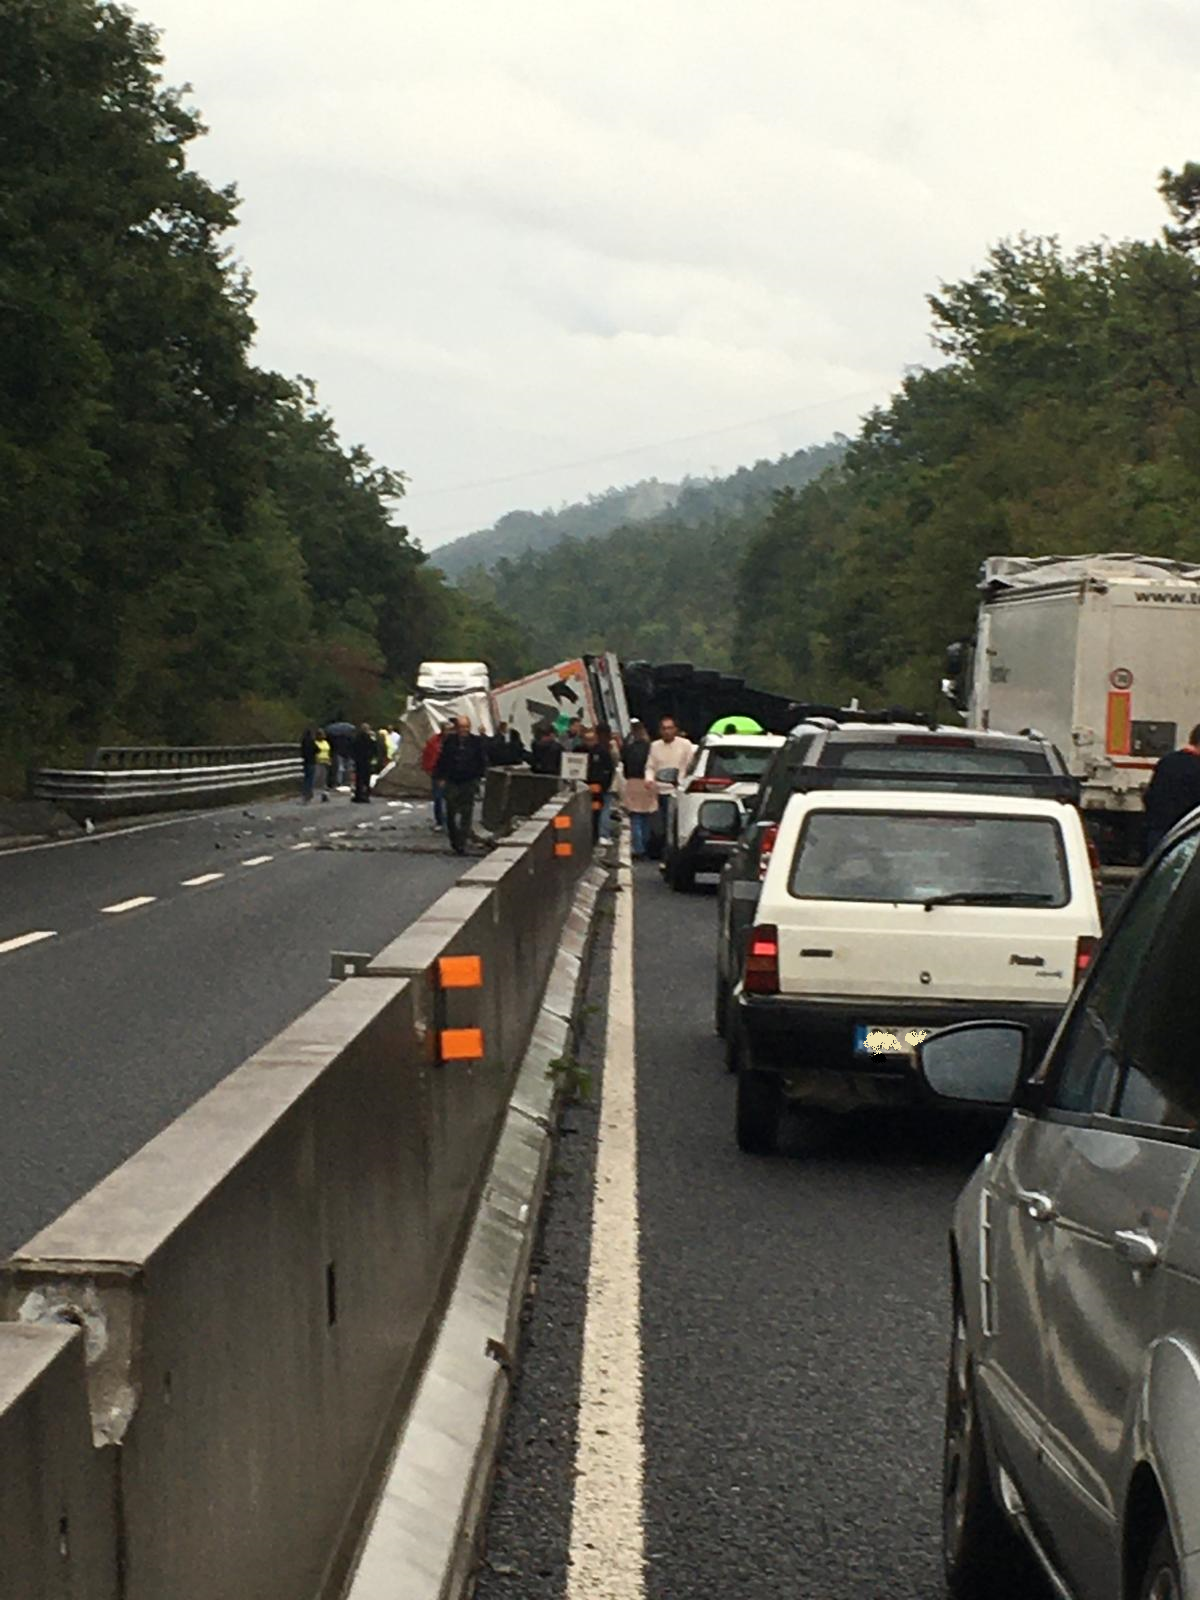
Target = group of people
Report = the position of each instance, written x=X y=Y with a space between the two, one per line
x=329 y=759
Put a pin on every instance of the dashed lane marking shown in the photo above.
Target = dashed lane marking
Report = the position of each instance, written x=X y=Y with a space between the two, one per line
x=205 y=877
x=23 y=939
x=607 y=1556
x=306 y=844
x=257 y=861
x=129 y=905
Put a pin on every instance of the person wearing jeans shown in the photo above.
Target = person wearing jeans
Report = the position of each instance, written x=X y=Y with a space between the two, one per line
x=639 y=799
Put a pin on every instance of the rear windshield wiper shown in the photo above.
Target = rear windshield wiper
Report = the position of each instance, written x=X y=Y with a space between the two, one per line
x=988 y=897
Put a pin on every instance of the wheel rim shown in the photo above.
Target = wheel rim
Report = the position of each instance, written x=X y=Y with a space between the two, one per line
x=1163 y=1586
x=960 y=1438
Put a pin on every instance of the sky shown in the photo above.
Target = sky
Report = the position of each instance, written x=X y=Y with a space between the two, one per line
x=529 y=249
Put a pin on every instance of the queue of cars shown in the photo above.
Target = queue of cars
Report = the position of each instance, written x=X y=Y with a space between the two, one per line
x=909 y=915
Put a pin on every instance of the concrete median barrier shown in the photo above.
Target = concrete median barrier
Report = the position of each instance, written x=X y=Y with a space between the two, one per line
x=256 y=1289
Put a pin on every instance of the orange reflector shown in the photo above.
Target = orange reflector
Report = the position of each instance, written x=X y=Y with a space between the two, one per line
x=562 y=822
x=460 y=972
x=564 y=849
x=1120 y=720
x=462 y=1044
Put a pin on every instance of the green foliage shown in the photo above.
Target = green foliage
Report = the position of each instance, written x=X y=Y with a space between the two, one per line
x=188 y=548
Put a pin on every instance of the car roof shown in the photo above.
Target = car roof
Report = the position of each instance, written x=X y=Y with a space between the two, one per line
x=896 y=800
x=888 y=732
x=742 y=741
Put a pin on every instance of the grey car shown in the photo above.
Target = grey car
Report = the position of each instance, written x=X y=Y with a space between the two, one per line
x=1073 y=1399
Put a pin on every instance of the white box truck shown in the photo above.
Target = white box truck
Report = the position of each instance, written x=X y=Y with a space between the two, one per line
x=589 y=687
x=1101 y=655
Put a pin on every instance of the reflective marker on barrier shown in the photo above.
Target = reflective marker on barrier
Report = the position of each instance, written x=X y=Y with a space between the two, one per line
x=461 y=1044
x=564 y=849
x=460 y=972
x=562 y=823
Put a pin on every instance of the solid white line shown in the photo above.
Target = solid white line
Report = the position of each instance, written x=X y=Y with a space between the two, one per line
x=607 y=1552
x=257 y=861
x=306 y=845
x=205 y=877
x=130 y=905
x=23 y=939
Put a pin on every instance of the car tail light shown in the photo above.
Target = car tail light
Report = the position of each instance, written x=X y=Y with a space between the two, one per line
x=762 y=960
x=765 y=846
x=708 y=785
x=1085 y=949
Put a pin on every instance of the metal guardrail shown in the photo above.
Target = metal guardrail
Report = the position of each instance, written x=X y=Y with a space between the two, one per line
x=130 y=788
x=139 y=758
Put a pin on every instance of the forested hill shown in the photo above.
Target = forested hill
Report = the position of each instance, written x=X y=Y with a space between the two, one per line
x=662 y=587
x=695 y=500
x=190 y=551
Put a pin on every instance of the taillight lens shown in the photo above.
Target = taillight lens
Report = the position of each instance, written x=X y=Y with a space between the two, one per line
x=708 y=785
x=1085 y=949
x=762 y=961
x=765 y=846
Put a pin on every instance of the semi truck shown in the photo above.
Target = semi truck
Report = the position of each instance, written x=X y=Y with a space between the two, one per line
x=589 y=687
x=1101 y=655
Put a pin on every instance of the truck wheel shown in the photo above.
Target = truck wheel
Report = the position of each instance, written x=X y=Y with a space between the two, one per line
x=759 y=1108
x=983 y=1556
x=1162 y=1579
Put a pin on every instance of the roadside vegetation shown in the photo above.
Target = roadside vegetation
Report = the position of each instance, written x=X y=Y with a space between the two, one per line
x=190 y=550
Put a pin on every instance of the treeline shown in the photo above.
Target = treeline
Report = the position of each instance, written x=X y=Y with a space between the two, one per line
x=189 y=550
x=663 y=588
x=1065 y=419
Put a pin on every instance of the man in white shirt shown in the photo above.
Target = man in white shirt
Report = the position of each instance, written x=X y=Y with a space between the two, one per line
x=672 y=751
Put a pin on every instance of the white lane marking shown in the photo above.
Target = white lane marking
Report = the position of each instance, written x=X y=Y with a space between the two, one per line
x=205 y=877
x=130 y=905
x=607 y=1553
x=257 y=861
x=306 y=845
x=23 y=939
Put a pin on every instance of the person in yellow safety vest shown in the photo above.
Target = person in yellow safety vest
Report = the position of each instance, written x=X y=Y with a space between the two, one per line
x=600 y=772
x=324 y=758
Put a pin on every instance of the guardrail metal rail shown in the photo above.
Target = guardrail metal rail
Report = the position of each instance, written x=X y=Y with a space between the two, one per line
x=126 y=780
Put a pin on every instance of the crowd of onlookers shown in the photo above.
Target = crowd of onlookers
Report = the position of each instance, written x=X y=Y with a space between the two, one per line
x=637 y=771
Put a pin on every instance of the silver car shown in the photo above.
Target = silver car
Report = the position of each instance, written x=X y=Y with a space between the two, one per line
x=1073 y=1399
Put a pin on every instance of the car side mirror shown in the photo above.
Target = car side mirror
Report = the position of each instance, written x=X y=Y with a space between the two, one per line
x=980 y=1064
x=721 y=818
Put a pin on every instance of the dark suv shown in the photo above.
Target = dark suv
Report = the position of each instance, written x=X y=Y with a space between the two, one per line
x=822 y=753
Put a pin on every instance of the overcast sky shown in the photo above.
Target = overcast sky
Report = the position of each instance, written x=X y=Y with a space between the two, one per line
x=568 y=244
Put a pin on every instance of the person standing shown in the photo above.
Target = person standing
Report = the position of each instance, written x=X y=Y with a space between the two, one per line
x=670 y=753
x=308 y=764
x=461 y=763
x=600 y=772
x=363 y=752
x=573 y=738
x=640 y=798
x=606 y=741
x=324 y=757
x=546 y=755
x=1173 y=791
x=517 y=754
x=429 y=761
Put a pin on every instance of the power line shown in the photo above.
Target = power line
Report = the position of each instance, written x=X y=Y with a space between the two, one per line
x=639 y=449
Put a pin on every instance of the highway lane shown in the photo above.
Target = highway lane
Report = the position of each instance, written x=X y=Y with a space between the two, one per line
x=792 y=1330
x=124 y=1018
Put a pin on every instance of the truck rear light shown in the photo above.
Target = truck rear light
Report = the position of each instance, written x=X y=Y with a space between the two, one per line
x=708 y=785
x=765 y=846
x=762 y=960
x=1085 y=949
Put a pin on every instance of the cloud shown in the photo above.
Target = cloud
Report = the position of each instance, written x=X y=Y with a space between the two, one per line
x=505 y=237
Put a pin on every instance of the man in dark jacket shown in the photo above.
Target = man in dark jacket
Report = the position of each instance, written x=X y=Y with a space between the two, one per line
x=1174 y=790
x=308 y=760
x=363 y=751
x=461 y=763
x=601 y=769
x=546 y=755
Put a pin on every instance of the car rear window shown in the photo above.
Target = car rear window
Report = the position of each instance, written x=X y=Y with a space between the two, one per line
x=744 y=765
x=932 y=758
x=914 y=856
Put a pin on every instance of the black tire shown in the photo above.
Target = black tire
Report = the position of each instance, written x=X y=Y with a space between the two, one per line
x=721 y=1006
x=1162 y=1579
x=983 y=1556
x=680 y=874
x=759 y=1109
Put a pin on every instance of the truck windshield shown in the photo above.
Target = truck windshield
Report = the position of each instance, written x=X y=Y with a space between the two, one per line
x=927 y=856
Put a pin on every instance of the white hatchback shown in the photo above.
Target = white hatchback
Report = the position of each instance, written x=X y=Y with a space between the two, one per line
x=886 y=915
x=701 y=832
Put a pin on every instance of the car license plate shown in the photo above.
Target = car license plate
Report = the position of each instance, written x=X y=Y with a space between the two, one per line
x=887 y=1039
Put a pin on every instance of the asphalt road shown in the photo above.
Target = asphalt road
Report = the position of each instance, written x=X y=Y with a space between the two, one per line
x=123 y=1018
x=793 y=1328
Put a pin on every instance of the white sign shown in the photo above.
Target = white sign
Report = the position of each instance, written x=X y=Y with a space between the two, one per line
x=574 y=765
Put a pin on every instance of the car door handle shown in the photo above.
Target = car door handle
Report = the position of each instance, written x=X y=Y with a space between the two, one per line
x=1039 y=1206
x=1138 y=1248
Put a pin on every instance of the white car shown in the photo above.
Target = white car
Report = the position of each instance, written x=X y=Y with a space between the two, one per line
x=885 y=915
x=700 y=834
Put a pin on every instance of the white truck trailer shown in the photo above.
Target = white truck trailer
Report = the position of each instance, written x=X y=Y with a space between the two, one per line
x=1101 y=655
x=590 y=687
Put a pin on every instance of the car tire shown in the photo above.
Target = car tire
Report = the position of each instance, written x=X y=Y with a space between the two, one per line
x=983 y=1556
x=680 y=875
x=759 y=1109
x=1162 y=1579
x=721 y=1006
